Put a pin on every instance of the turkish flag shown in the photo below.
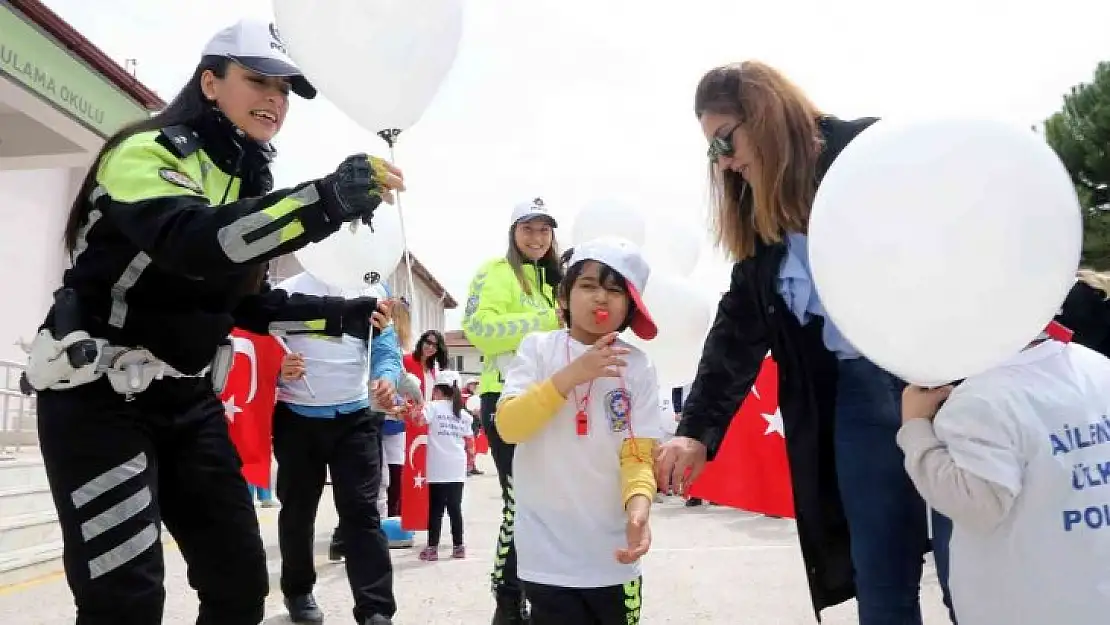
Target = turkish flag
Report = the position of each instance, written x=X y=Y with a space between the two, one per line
x=751 y=471
x=414 y=480
x=249 y=398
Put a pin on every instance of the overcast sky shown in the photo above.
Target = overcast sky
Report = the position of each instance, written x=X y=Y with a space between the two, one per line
x=583 y=100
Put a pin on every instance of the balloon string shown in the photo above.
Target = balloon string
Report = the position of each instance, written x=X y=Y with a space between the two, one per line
x=404 y=237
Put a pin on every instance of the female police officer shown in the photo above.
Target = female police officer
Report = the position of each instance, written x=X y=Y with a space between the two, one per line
x=169 y=238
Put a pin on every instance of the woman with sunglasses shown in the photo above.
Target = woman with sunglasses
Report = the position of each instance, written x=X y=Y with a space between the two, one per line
x=863 y=527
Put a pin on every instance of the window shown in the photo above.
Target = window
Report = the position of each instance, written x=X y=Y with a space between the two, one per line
x=459 y=363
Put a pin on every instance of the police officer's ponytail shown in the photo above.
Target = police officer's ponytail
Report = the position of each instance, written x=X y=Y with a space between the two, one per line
x=188 y=106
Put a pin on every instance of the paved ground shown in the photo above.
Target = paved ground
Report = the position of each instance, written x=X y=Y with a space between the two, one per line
x=708 y=565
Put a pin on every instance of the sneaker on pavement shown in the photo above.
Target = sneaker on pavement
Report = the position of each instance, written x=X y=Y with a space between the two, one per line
x=303 y=609
x=458 y=552
x=429 y=554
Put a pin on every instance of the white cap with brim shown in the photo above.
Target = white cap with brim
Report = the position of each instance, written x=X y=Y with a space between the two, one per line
x=257 y=46
x=531 y=210
x=625 y=258
x=448 y=377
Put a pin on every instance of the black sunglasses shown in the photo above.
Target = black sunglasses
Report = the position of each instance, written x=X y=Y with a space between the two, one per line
x=721 y=145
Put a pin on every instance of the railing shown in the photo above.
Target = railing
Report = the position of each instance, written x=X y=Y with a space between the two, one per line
x=18 y=423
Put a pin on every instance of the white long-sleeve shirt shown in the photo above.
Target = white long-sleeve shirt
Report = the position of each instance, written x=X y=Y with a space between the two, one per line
x=1019 y=458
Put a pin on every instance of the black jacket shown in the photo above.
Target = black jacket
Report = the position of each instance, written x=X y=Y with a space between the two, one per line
x=1086 y=312
x=751 y=319
x=181 y=224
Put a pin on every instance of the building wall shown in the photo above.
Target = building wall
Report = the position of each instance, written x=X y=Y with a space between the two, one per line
x=467 y=360
x=33 y=213
x=427 y=308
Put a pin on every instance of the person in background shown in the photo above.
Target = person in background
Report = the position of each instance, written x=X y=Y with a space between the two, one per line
x=1086 y=311
x=449 y=425
x=510 y=297
x=323 y=422
x=393 y=429
x=385 y=364
x=428 y=357
x=862 y=527
x=471 y=451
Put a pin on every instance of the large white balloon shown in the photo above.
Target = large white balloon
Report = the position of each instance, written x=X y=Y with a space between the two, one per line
x=346 y=259
x=609 y=218
x=380 y=61
x=942 y=247
x=683 y=314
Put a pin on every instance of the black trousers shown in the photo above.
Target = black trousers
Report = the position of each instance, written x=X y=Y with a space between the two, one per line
x=349 y=445
x=393 y=491
x=445 y=496
x=608 y=605
x=505 y=580
x=120 y=469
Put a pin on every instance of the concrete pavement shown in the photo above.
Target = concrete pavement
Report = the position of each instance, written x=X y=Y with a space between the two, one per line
x=708 y=565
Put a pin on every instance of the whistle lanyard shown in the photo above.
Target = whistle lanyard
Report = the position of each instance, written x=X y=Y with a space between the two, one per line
x=581 y=415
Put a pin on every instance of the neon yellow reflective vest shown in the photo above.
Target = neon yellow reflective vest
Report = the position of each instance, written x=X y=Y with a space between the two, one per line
x=499 y=314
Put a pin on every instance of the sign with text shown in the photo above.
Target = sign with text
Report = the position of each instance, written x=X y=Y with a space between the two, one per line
x=32 y=59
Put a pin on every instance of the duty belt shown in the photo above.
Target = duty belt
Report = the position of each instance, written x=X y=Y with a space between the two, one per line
x=131 y=370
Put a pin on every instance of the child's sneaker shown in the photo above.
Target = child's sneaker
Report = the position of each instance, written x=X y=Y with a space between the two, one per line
x=429 y=554
x=458 y=552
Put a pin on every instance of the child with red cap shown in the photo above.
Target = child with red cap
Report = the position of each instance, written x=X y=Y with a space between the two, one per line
x=583 y=408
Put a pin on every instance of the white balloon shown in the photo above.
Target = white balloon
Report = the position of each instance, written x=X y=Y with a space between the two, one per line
x=682 y=313
x=609 y=218
x=345 y=259
x=942 y=247
x=379 y=61
x=672 y=246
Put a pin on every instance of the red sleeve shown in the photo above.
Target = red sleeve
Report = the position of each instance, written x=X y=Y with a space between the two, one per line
x=413 y=367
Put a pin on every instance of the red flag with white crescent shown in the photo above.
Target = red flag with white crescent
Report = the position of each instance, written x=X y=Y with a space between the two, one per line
x=414 y=481
x=751 y=470
x=249 y=398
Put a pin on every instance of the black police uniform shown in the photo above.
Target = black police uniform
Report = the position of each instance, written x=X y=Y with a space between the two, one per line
x=170 y=258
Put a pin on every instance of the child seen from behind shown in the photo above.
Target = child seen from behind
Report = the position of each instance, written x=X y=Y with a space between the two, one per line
x=449 y=427
x=1018 y=458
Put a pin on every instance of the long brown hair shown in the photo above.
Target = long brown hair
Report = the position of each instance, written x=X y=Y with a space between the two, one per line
x=781 y=122
x=549 y=262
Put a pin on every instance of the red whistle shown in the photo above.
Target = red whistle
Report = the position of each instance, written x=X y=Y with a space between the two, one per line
x=601 y=315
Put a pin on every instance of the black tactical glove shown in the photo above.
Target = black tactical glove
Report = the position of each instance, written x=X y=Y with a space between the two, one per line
x=356 y=317
x=354 y=190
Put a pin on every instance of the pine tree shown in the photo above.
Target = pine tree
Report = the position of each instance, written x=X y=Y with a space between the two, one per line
x=1080 y=134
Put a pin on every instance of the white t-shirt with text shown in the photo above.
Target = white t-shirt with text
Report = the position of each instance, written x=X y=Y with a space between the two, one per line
x=1039 y=427
x=447 y=432
x=570 y=519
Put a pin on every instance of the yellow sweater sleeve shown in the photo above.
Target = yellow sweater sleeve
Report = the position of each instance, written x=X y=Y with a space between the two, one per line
x=637 y=469
x=519 y=418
